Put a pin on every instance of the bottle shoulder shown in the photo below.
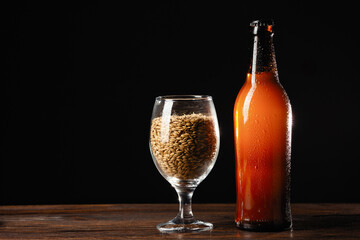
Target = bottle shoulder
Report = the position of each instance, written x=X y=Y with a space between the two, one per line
x=263 y=93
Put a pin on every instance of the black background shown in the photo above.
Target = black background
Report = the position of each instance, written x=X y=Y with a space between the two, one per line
x=80 y=78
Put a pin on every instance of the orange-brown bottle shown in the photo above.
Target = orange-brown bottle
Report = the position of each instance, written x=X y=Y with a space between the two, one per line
x=262 y=131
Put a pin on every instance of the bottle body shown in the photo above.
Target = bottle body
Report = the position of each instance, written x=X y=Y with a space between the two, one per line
x=262 y=131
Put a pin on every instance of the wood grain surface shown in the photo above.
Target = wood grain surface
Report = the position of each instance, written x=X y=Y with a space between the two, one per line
x=138 y=221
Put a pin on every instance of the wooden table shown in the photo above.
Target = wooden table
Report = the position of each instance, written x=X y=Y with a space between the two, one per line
x=138 y=221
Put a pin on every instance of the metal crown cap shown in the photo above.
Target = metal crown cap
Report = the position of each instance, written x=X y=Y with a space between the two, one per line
x=262 y=26
x=262 y=23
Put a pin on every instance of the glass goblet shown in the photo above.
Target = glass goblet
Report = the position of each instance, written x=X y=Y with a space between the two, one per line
x=184 y=144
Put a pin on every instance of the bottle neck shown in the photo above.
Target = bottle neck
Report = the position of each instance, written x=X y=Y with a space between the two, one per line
x=263 y=58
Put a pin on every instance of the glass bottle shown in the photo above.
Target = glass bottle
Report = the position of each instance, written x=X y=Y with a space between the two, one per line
x=262 y=131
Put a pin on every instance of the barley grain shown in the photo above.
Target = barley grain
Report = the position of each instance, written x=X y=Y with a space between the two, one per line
x=185 y=146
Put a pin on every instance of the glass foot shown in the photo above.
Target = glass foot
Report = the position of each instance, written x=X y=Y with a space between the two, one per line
x=177 y=226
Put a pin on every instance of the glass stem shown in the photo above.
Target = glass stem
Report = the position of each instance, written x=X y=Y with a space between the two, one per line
x=185 y=214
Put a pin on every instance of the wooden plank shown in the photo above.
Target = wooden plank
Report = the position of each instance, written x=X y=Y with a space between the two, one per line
x=138 y=221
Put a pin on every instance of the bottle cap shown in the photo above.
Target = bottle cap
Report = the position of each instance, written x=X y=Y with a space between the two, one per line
x=266 y=25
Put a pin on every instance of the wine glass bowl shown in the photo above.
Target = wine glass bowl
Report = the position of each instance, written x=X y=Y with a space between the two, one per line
x=184 y=144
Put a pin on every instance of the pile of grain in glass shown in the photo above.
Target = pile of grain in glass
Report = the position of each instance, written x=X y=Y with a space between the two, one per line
x=184 y=146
